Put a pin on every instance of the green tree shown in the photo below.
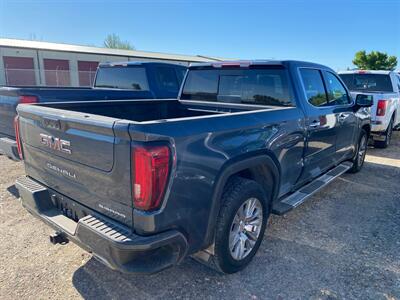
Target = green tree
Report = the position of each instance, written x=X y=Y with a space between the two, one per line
x=374 y=60
x=114 y=41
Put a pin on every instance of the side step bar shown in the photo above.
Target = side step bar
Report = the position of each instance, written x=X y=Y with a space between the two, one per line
x=293 y=200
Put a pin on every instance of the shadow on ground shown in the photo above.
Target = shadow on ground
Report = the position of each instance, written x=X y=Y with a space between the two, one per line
x=13 y=191
x=392 y=152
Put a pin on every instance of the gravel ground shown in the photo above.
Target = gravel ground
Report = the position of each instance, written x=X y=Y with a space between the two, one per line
x=344 y=243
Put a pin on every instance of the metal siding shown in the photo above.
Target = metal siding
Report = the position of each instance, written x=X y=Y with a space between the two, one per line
x=57 y=72
x=86 y=72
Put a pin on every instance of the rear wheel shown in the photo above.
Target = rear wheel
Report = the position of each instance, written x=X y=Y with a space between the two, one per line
x=388 y=135
x=359 y=158
x=240 y=225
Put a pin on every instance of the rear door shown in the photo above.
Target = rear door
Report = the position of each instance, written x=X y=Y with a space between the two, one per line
x=320 y=123
x=83 y=156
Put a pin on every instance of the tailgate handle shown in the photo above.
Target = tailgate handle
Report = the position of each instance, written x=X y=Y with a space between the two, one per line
x=52 y=123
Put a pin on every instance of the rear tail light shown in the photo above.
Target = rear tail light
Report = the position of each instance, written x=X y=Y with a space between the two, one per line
x=18 y=137
x=150 y=167
x=27 y=99
x=381 y=108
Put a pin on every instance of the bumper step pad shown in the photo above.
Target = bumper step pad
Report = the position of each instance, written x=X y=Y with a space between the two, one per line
x=114 y=244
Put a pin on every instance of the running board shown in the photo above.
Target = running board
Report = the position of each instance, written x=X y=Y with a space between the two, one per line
x=295 y=199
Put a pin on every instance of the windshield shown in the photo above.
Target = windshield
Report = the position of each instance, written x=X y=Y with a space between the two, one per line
x=235 y=85
x=132 y=78
x=368 y=82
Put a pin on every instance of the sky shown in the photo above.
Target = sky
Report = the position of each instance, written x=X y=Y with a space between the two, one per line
x=325 y=31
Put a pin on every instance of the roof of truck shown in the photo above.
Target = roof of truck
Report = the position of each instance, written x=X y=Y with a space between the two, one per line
x=245 y=63
x=138 y=63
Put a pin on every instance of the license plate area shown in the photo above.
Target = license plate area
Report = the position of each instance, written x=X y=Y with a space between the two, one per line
x=68 y=207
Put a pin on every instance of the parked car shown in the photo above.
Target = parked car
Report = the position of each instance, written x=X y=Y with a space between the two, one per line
x=384 y=86
x=113 y=81
x=143 y=184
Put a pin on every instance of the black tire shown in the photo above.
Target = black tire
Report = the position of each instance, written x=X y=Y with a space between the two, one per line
x=236 y=193
x=358 y=160
x=388 y=135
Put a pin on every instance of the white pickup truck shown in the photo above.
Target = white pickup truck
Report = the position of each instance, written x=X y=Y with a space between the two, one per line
x=384 y=86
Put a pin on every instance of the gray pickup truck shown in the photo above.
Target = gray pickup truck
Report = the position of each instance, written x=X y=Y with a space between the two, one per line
x=142 y=184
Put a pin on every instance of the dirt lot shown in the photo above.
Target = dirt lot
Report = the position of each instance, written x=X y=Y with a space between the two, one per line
x=342 y=243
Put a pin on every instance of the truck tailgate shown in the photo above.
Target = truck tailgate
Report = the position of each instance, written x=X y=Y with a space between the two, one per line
x=8 y=103
x=73 y=153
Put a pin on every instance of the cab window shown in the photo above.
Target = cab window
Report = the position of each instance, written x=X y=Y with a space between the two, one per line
x=259 y=86
x=337 y=94
x=167 y=79
x=132 y=78
x=314 y=87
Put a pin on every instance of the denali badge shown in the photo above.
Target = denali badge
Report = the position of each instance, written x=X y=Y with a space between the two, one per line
x=55 y=143
x=61 y=171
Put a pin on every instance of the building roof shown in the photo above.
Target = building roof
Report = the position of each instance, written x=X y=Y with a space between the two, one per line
x=14 y=43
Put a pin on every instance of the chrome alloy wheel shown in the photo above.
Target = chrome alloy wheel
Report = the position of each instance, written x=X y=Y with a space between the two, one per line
x=362 y=150
x=245 y=228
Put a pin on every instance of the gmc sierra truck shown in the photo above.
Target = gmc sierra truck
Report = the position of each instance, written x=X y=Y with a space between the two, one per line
x=384 y=87
x=113 y=81
x=143 y=184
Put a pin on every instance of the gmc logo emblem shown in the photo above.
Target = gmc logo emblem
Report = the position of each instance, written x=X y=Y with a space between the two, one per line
x=55 y=143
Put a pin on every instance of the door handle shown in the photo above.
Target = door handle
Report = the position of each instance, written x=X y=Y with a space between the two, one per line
x=315 y=124
x=342 y=117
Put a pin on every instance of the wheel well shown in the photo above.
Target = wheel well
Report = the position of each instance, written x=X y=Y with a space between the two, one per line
x=367 y=128
x=260 y=174
x=263 y=169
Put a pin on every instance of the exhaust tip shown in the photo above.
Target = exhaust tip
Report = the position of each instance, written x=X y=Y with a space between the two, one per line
x=58 y=238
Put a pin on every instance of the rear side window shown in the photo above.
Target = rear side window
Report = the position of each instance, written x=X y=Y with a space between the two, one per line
x=314 y=87
x=132 y=78
x=167 y=79
x=367 y=82
x=244 y=86
x=337 y=94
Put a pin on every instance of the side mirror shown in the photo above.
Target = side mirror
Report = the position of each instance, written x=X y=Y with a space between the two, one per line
x=363 y=100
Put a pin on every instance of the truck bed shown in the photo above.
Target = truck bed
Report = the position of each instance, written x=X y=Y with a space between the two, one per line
x=154 y=110
x=10 y=98
x=98 y=137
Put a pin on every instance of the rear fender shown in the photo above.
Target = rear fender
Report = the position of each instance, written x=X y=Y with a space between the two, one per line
x=233 y=167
